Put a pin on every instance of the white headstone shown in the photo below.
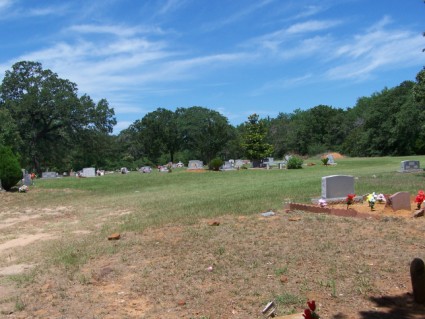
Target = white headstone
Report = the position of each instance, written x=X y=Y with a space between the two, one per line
x=89 y=172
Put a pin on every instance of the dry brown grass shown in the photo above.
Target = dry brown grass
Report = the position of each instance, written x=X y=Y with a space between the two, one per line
x=342 y=263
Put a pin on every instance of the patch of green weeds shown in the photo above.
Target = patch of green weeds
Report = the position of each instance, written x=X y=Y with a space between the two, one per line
x=281 y=271
x=23 y=279
x=19 y=304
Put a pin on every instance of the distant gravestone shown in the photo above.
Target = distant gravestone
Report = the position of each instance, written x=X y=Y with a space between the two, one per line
x=239 y=163
x=49 y=175
x=410 y=166
x=400 y=200
x=163 y=169
x=227 y=166
x=145 y=169
x=331 y=160
x=337 y=186
x=27 y=179
x=89 y=172
x=195 y=164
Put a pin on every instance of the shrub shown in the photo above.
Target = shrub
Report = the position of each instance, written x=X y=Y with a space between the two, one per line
x=215 y=164
x=325 y=160
x=294 y=162
x=10 y=170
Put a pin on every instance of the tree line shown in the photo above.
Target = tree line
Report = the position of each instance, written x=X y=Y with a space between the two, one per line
x=48 y=125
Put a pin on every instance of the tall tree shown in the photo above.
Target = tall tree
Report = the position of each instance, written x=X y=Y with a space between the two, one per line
x=9 y=134
x=49 y=113
x=204 y=132
x=254 y=139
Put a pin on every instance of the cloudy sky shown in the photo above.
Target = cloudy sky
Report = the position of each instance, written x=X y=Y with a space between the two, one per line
x=237 y=57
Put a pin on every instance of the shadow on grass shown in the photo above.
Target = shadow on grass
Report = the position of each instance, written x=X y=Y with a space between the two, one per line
x=394 y=307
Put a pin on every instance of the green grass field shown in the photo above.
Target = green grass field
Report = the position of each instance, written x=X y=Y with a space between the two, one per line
x=183 y=196
x=167 y=244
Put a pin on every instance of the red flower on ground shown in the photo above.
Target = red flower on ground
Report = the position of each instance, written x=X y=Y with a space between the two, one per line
x=311 y=305
x=310 y=313
x=420 y=198
x=307 y=314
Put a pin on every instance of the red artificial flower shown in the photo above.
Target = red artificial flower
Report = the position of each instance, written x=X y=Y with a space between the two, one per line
x=312 y=305
x=307 y=314
x=420 y=197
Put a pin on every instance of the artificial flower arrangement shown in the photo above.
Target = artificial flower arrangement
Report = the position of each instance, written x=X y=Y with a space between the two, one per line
x=419 y=199
x=380 y=198
x=23 y=189
x=350 y=200
x=310 y=312
x=322 y=202
x=371 y=199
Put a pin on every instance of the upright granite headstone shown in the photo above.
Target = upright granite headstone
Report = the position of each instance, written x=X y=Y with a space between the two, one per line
x=400 y=200
x=195 y=164
x=331 y=160
x=89 y=172
x=337 y=186
x=49 y=175
x=239 y=163
x=410 y=166
x=227 y=166
x=27 y=179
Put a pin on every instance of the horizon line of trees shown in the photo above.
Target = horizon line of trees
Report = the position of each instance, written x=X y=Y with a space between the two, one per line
x=49 y=126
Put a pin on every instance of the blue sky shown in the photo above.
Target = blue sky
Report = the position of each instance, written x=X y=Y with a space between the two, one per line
x=237 y=57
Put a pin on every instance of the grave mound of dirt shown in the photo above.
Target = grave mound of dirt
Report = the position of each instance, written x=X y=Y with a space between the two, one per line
x=335 y=155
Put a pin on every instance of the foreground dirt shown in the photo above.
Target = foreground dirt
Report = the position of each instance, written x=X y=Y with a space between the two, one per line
x=353 y=268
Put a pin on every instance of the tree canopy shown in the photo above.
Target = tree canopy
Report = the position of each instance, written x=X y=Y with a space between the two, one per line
x=50 y=125
x=49 y=115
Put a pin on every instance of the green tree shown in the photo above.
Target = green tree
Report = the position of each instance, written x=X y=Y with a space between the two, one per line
x=160 y=134
x=254 y=139
x=204 y=132
x=10 y=170
x=9 y=134
x=49 y=114
x=386 y=123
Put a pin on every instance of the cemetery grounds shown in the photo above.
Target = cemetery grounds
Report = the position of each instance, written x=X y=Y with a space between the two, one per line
x=195 y=245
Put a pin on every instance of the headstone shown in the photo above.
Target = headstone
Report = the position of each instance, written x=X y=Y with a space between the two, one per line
x=239 y=163
x=89 y=172
x=145 y=169
x=410 y=166
x=27 y=179
x=163 y=169
x=195 y=164
x=227 y=166
x=331 y=160
x=49 y=175
x=337 y=186
x=417 y=275
x=400 y=200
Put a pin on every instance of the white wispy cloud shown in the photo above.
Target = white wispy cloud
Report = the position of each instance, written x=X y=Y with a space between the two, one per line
x=311 y=26
x=171 y=5
x=237 y=15
x=4 y=4
x=376 y=49
x=274 y=41
x=282 y=84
